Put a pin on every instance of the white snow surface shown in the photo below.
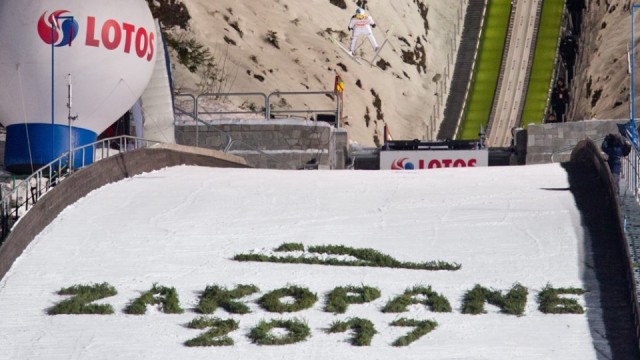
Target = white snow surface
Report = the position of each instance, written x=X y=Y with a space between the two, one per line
x=180 y=227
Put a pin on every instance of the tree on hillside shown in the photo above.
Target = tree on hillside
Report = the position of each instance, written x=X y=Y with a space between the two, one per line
x=170 y=13
x=174 y=14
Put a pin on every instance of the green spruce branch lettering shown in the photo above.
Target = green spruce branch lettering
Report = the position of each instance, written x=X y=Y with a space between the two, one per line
x=303 y=299
x=166 y=298
x=422 y=328
x=513 y=303
x=550 y=302
x=83 y=296
x=216 y=336
x=215 y=296
x=297 y=331
x=340 y=298
x=363 y=257
x=430 y=298
x=363 y=330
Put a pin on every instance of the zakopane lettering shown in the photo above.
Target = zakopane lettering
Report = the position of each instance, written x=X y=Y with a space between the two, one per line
x=216 y=296
x=362 y=330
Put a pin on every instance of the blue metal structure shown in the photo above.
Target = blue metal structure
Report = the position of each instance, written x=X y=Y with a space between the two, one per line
x=631 y=129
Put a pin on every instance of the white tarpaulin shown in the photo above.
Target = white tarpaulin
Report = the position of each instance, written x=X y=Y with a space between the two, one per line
x=156 y=101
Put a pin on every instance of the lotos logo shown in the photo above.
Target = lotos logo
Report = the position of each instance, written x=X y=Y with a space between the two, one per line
x=52 y=33
x=110 y=34
x=402 y=164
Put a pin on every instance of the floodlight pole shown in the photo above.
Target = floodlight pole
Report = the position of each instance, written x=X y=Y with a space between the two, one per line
x=54 y=25
x=53 y=92
x=69 y=119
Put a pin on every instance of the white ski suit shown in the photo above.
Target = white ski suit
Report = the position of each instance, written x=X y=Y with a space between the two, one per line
x=361 y=25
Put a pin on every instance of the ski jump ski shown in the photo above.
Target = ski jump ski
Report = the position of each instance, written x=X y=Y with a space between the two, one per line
x=375 y=55
x=386 y=39
x=345 y=50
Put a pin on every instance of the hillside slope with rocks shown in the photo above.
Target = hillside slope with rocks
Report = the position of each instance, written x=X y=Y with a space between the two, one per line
x=284 y=45
x=601 y=87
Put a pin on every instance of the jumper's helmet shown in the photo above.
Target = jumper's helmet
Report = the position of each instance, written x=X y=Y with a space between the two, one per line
x=360 y=11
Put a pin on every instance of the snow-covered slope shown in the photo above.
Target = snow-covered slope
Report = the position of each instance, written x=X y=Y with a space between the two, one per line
x=180 y=227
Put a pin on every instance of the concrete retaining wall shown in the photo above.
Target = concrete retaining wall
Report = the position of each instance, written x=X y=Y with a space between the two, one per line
x=274 y=144
x=99 y=174
x=554 y=142
x=606 y=251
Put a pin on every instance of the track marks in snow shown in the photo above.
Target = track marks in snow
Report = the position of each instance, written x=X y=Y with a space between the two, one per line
x=386 y=205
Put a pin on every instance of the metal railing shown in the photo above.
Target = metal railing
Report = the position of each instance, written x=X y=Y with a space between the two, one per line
x=271 y=112
x=630 y=177
x=563 y=151
x=266 y=110
x=197 y=114
x=27 y=192
x=262 y=111
x=230 y=141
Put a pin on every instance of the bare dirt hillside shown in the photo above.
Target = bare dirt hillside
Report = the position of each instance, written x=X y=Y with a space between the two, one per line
x=601 y=87
x=284 y=45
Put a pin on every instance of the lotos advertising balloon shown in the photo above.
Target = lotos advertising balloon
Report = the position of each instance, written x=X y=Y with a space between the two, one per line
x=104 y=49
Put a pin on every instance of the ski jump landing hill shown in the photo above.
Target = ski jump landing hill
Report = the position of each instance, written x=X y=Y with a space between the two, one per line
x=182 y=226
x=103 y=172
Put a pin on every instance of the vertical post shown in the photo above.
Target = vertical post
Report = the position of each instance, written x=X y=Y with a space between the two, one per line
x=635 y=177
x=69 y=118
x=338 y=115
x=434 y=112
x=54 y=25
x=195 y=110
x=446 y=77
x=434 y=134
x=267 y=107
x=385 y=138
x=453 y=47
x=633 y=73
x=338 y=88
x=53 y=29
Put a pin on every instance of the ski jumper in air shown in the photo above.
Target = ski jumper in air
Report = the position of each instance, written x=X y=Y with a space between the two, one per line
x=361 y=24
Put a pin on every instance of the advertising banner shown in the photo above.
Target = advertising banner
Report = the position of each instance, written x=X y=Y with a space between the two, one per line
x=419 y=160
